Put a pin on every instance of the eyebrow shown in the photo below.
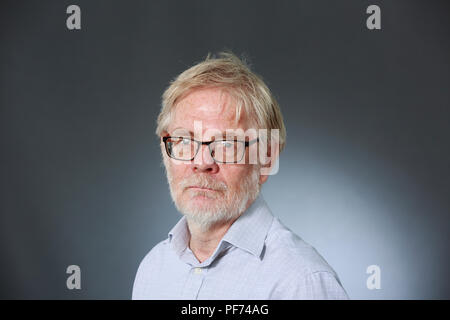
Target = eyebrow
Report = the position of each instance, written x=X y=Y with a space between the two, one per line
x=192 y=133
x=184 y=129
x=224 y=136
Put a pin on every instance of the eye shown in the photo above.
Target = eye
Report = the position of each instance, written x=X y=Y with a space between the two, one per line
x=227 y=144
x=186 y=141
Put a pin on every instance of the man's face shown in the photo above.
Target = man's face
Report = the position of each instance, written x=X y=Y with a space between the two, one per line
x=205 y=191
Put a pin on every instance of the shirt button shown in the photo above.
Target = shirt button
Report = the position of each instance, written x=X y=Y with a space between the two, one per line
x=198 y=270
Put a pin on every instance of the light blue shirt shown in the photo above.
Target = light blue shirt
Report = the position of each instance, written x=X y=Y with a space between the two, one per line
x=258 y=258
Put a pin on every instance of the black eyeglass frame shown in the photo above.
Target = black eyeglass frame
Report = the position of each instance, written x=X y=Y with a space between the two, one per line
x=208 y=143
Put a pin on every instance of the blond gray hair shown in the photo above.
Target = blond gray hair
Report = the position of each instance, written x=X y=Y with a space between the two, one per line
x=233 y=75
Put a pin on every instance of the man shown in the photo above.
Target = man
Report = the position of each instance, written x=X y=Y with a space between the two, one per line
x=217 y=117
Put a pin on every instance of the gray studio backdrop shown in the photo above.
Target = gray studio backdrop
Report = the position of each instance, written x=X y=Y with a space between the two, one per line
x=364 y=177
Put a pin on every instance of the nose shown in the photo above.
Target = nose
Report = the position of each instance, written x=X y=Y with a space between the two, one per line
x=204 y=162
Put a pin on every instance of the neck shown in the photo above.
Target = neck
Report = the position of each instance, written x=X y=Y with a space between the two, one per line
x=204 y=242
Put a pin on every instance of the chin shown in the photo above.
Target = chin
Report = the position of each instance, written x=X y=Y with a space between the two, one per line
x=202 y=203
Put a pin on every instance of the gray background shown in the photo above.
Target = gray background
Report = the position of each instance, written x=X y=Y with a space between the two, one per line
x=364 y=177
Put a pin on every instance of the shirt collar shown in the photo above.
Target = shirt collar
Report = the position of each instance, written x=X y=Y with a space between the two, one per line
x=248 y=232
x=179 y=236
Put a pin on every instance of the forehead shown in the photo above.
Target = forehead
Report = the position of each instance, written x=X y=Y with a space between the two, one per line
x=214 y=108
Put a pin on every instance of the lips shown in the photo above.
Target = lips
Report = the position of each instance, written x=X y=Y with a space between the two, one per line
x=201 y=188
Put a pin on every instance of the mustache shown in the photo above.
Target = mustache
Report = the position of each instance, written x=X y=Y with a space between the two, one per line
x=203 y=182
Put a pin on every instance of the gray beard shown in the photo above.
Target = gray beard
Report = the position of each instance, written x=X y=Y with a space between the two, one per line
x=226 y=209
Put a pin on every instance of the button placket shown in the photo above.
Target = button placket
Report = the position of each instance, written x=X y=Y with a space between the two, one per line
x=194 y=282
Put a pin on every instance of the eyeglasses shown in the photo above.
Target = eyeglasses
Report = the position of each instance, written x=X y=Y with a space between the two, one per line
x=222 y=151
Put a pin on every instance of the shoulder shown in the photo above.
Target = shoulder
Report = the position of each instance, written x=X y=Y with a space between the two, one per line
x=292 y=251
x=152 y=261
x=148 y=267
x=303 y=272
x=155 y=255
